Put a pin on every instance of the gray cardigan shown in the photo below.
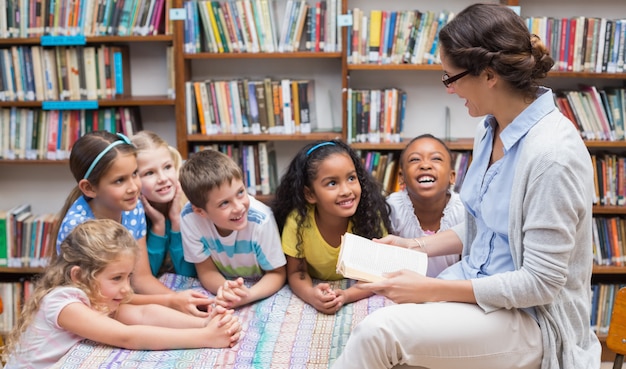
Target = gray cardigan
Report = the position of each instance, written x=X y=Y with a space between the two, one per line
x=550 y=237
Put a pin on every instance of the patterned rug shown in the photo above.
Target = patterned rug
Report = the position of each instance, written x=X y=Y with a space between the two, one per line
x=280 y=331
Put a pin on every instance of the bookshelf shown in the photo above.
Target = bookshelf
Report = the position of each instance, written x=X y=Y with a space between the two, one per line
x=43 y=181
x=320 y=68
x=428 y=111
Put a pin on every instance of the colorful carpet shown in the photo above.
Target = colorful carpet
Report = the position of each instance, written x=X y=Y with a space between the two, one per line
x=280 y=331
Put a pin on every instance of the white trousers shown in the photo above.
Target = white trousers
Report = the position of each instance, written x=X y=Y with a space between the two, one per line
x=443 y=336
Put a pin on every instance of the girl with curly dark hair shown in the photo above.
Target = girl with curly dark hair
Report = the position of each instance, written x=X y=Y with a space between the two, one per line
x=325 y=193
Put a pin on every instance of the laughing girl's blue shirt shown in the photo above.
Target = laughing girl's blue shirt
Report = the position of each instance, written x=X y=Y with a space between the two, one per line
x=486 y=194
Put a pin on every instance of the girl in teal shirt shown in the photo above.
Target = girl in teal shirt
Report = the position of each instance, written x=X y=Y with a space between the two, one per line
x=158 y=165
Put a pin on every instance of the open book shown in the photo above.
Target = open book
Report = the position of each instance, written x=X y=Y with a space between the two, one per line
x=366 y=260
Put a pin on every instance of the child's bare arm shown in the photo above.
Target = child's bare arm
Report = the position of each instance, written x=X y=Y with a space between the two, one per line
x=157 y=315
x=236 y=294
x=210 y=277
x=321 y=296
x=352 y=294
x=143 y=281
x=188 y=301
x=85 y=322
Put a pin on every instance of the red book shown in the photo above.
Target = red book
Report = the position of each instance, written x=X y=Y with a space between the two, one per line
x=318 y=26
x=571 y=48
x=563 y=44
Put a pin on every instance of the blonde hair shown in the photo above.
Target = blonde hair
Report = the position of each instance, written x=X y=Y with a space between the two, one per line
x=148 y=140
x=91 y=246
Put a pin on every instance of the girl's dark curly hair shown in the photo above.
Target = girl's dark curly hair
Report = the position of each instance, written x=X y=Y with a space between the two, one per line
x=371 y=218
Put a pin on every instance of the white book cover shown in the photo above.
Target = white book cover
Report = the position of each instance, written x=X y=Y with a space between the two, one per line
x=264 y=167
x=289 y=125
x=91 y=73
x=366 y=260
x=38 y=73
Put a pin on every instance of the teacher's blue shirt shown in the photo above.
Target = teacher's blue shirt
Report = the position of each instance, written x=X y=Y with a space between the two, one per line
x=486 y=194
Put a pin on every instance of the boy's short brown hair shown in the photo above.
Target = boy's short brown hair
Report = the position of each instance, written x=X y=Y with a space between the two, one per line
x=204 y=171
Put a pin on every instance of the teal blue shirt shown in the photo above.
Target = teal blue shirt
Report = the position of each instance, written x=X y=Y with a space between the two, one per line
x=160 y=246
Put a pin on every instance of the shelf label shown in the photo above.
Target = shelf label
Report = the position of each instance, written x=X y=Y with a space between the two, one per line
x=70 y=105
x=344 y=20
x=178 y=14
x=76 y=40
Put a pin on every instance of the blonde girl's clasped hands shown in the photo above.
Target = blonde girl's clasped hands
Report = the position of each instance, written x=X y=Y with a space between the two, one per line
x=83 y=294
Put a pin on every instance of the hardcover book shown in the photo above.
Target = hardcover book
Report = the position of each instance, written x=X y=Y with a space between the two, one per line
x=365 y=260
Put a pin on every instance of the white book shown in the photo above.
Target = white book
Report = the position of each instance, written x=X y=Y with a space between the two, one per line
x=284 y=28
x=189 y=107
x=288 y=123
x=237 y=123
x=91 y=73
x=38 y=73
x=331 y=40
x=73 y=73
x=4 y=29
x=264 y=168
x=365 y=260
x=250 y=170
x=246 y=8
x=374 y=128
x=51 y=89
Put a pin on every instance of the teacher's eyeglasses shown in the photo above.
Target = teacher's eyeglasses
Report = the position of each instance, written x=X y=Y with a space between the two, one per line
x=447 y=80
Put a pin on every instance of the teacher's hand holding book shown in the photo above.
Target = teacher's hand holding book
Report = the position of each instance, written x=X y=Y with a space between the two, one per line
x=403 y=286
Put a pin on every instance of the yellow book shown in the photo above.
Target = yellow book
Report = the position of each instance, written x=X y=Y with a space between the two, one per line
x=376 y=17
x=213 y=25
x=365 y=260
x=295 y=106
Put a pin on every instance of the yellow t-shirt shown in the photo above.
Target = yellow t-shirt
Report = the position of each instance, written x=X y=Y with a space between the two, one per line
x=321 y=257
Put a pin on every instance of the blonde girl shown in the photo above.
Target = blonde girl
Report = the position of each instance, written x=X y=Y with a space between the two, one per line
x=158 y=166
x=105 y=168
x=83 y=294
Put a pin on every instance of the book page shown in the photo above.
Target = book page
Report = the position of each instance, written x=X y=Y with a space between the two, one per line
x=365 y=259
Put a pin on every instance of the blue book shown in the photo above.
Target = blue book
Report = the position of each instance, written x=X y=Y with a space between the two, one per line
x=29 y=92
x=254 y=108
x=119 y=72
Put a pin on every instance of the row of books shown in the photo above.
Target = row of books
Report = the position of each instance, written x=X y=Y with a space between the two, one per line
x=257 y=162
x=599 y=114
x=376 y=115
x=395 y=37
x=385 y=166
x=13 y=295
x=49 y=134
x=24 y=237
x=603 y=298
x=248 y=106
x=582 y=44
x=609 y=179
x=252 y=26
x=609 y=241
x=35 y=73
x=33 y=18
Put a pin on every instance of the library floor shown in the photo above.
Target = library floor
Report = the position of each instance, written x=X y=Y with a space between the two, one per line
x=607 y=365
